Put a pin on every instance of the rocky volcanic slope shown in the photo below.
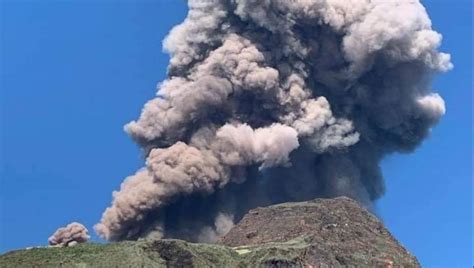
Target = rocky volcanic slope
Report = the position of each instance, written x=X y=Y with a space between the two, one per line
x=319 y=233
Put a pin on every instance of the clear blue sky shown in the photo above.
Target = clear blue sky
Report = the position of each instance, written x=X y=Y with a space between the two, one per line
x=73 y=72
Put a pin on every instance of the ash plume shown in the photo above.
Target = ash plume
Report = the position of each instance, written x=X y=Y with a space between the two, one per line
x=273 y=101
x=70 y=235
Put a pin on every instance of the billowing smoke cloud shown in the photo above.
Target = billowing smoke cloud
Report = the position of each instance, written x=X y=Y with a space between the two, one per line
x=70 y=235
x=222 y=225
x=273 y=101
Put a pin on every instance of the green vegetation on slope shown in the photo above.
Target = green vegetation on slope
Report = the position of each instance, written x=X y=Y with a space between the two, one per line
x=159 y=253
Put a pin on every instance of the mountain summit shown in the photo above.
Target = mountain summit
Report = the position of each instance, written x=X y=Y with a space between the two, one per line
x=319 y=233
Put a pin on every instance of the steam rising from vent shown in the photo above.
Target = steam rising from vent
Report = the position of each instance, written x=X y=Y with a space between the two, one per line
x=274 y=101
x=70 y=235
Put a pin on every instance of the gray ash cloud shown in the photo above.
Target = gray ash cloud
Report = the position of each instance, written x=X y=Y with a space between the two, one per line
x=273 y=101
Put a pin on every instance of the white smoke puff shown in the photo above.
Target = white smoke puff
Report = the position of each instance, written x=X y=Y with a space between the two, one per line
x=339 y=134
x=433 y=105
x=70 y=235
x=223 y=223
x=242 y=145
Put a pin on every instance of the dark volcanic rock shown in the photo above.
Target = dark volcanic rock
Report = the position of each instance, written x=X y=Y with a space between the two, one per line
x=336 y=232
x=320 y=233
